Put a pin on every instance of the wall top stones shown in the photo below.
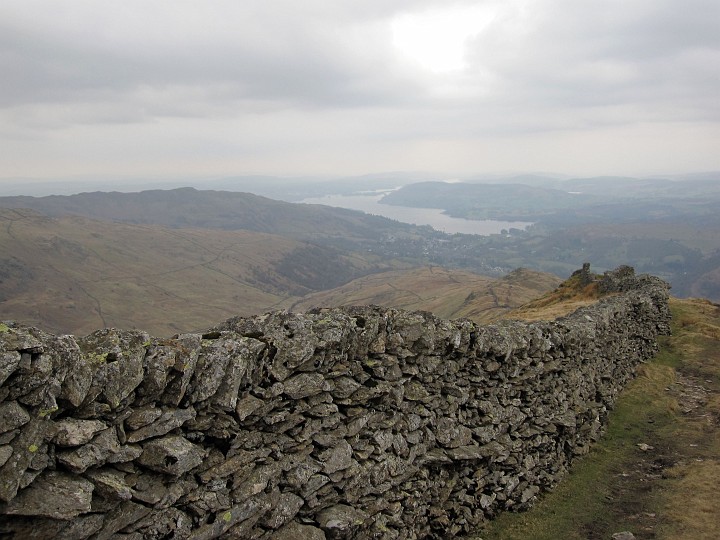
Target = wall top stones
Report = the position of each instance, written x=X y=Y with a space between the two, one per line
x=359 y=422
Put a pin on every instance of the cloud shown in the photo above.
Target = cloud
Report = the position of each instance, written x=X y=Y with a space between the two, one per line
x=281 y=84
x=228 y=51
x=574 y=55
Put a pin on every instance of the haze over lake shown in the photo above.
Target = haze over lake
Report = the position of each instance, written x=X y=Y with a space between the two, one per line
x=434 y=217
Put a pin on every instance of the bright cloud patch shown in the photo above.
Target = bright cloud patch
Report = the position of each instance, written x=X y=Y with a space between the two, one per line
x=436 y=39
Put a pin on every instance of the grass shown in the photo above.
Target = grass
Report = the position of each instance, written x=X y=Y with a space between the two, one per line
x=668 y=491
x=566 y=298
x=447 y=293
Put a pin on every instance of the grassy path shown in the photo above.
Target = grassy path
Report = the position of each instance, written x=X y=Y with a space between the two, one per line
x=656 y=472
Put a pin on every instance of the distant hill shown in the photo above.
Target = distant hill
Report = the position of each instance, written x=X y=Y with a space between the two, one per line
x=74 y=274
x=633 y=188
x=669 y=228
x=488 y=201
x=583 y=200
x=447 y=293
x=188 y=207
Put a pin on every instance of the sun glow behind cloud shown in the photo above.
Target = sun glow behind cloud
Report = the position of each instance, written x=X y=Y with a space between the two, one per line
x=451 y=86
x=436 y=39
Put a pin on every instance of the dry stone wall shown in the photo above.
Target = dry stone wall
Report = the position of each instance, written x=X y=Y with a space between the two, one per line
x=341 y=423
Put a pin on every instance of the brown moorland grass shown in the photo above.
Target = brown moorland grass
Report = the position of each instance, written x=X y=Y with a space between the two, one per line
x=75 y=275
x=570 y=295
x=448 y=293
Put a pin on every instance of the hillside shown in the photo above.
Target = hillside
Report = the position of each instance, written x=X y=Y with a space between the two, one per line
x=446 y=293
x=188 y=207
x=514 y=202
x=73 y=274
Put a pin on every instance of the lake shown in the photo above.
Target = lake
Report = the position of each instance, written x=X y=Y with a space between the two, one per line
x=417 y=216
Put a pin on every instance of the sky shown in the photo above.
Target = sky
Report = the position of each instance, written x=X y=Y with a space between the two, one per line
x=149 y=88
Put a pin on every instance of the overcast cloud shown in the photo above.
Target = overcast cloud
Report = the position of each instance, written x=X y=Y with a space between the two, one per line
x=146 y=87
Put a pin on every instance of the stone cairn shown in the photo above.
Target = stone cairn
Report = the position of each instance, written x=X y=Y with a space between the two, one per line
x=358 y=422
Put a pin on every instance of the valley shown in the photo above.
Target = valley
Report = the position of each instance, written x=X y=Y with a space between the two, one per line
x=77 y=262
x=74 y=274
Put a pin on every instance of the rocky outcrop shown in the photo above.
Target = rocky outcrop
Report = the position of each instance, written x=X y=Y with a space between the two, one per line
x=341 y=423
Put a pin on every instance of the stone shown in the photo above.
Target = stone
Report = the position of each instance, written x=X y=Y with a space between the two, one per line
x=314 y=483
x=284 y=510
x=121 y=516
x=451 y=434
x=341 y=517
x=126 y=453
x=97 y=452
x=567 y=419
x=171 y=455
x=55 y=495
x=343 y=387
x=149 y=488
x=300 y=475
x=305 y=385
x=110 y=484
x=624 y=535
x=255 y=483
x=142 y=417
x=77 y=383
x=186 y=352
x=528 y=493
x=468 y=452
x=9 y=362
x=415 y=391
x=118 y=357
x=224 y=520
x=166 y=523
x=24 y=450
x=81 y=527
x=486 y=501
x=5 y=453
x=12 y=416
x=247 y=406
x=243 y=359
x=73 y=432
x=213 y=358
x=232 y=465
x=157 y=365
x=337 y=458
x=169 y=420
x=296 y=531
